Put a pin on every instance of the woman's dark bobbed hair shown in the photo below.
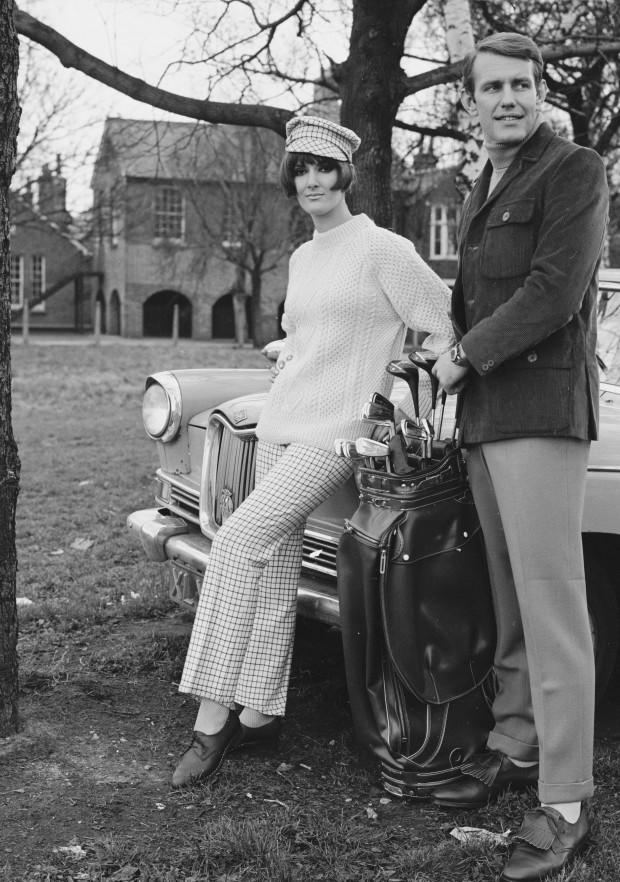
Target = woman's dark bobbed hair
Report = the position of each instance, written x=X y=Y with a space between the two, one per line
x=291 y=161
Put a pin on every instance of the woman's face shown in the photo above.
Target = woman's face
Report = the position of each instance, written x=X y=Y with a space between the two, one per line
x=314 y=183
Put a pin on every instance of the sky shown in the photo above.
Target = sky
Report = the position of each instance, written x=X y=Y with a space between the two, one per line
x=131 y=35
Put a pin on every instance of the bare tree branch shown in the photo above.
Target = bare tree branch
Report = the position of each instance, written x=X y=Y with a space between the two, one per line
x=449 y=73
x=70 y=55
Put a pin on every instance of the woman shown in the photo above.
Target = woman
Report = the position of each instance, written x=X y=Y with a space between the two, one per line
x=353 y=291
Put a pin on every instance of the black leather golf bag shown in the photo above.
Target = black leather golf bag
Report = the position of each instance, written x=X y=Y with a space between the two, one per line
x=417 y=623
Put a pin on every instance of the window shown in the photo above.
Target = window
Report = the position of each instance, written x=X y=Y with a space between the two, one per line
x=17 y=280
x=38 y=281
x=169 y=213
x=444 y=219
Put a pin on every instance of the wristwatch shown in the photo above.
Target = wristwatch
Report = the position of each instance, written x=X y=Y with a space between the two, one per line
x=458 y=357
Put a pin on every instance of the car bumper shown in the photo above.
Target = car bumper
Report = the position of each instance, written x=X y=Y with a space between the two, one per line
x=165 y=537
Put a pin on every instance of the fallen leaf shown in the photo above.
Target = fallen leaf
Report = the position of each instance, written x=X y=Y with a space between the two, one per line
x=479 y=834
x=82 y=544
x=75 y=851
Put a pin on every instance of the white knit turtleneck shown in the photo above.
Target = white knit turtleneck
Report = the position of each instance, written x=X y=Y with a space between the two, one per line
x=353 y=290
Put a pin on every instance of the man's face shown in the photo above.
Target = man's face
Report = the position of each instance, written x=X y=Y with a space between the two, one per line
x=506 y=99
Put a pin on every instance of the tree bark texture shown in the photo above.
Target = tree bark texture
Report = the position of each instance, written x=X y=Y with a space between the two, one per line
x=372 y=86
x=9 y=461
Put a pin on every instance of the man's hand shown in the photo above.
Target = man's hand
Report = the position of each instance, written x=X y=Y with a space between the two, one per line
x=451 y=376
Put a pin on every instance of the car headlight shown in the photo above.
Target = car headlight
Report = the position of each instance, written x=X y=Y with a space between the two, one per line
x=162 y=407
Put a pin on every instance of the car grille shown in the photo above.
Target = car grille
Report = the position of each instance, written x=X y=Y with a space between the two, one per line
x=231 y=467
x=319 y=554
x=184 y=501
x=234 y=454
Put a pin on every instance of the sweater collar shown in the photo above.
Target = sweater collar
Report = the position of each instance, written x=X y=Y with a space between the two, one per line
x=342 y=233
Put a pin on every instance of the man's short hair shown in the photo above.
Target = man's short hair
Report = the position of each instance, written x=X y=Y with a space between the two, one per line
x=345 y=171
x=508 y=44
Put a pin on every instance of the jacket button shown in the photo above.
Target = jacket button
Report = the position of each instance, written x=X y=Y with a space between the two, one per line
x=490 y=362
x=506 y=216
x=532 y=357
x=485 y=366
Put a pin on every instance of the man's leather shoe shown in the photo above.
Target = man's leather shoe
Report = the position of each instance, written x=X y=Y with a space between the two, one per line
x=206 y=753
x=483 y=778
x=546 y=842
x=252 y=736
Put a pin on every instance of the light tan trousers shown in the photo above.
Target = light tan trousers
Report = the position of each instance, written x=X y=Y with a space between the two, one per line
x=529 y=493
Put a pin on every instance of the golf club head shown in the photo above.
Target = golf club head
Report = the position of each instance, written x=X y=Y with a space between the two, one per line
x=427 y=363
x=338 y=442
x=378 y=398
x=370 y=447
x=377 y=411
x=372 y=450
x=409 y=373
x=348 y=450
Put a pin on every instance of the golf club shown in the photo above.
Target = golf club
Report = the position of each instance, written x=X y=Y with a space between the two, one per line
x=373 y=450
x=378 y=413
x=409 y=373
x=425 y=363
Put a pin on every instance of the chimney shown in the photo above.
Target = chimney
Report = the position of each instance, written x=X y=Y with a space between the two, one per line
x=52 y=194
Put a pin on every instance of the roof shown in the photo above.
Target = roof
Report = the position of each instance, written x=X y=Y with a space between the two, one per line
x=186 y=150
x=22 y=211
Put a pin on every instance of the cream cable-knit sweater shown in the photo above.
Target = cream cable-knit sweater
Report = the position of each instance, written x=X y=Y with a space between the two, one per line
x=352 y=293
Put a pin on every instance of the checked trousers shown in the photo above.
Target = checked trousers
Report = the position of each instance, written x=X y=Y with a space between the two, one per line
x=241 y=645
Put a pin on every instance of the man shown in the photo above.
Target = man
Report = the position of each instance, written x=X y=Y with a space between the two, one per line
x=524 y=311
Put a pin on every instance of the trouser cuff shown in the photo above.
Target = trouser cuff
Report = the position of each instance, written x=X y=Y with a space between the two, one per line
x=511 y=747
x=576 y=792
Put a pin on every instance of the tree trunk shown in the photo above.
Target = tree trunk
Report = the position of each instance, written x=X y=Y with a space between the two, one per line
x=459 y=28
x=256 y=306
x=9 y=461
x=372 y=87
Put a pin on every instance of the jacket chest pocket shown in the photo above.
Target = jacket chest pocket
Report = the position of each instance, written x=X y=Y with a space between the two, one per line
x=508 y=242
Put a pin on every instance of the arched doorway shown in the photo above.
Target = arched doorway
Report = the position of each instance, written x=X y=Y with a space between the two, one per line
x=114 y=313
x=100 y=307
x=223 y=318
x=157 y=314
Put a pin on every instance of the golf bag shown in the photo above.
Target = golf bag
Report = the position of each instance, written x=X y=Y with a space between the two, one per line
x=417 y=623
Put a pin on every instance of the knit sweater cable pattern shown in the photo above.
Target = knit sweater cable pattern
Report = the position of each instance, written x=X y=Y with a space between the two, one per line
x=352 y=292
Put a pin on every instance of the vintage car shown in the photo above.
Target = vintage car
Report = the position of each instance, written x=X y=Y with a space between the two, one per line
x=202 y=422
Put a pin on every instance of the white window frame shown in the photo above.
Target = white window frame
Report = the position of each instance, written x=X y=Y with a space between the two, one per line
x=17 y=260
x=169 y=216
x=40 y=307
x=442 y=245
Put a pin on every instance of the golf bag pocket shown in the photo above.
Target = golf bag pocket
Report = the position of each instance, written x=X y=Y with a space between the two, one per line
x=417 y=624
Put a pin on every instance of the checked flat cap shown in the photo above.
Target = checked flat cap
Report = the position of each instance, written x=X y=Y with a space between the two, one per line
x=322 y=137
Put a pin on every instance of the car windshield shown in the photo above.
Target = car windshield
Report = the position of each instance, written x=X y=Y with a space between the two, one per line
x=609 y=324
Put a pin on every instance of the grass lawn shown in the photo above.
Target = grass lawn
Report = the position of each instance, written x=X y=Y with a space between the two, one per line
x=84 y=786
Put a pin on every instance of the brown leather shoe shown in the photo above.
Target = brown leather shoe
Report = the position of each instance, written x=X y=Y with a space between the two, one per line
x=546 y=842
x=206 y=753
x=483 y=778
x=252 y=736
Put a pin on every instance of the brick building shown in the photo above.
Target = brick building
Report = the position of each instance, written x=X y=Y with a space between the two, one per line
x=50 y=267
x=189 y=220
x=427 y=207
